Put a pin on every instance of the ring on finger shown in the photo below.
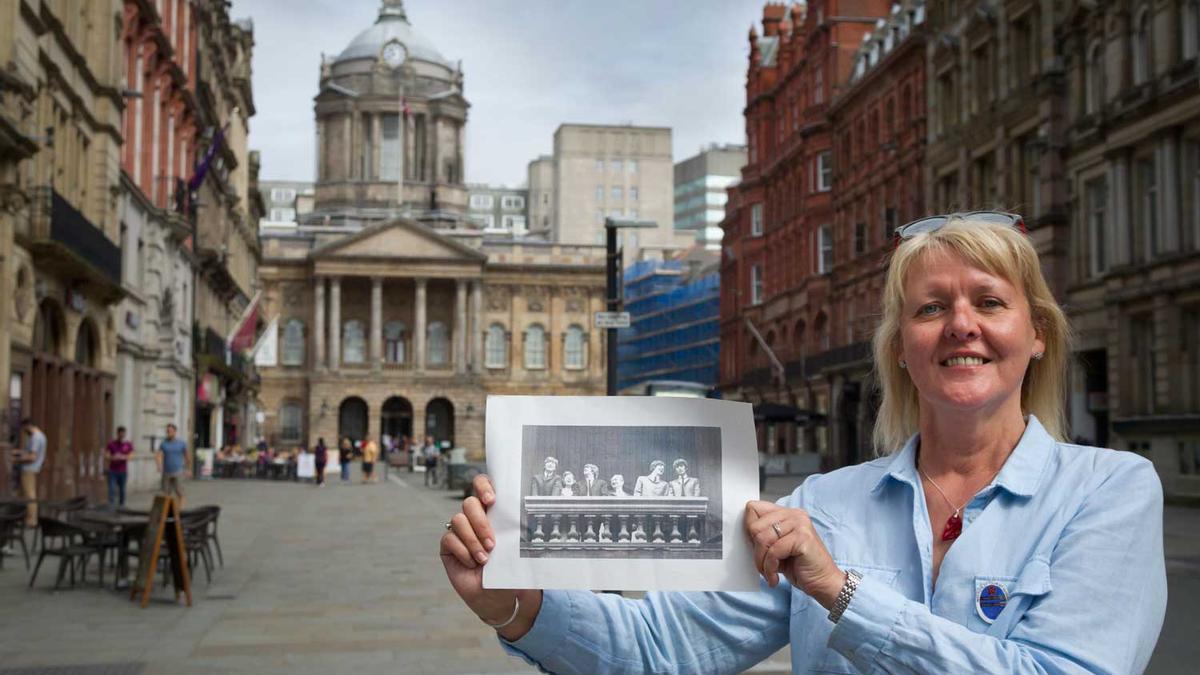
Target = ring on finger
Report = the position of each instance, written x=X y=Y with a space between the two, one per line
x=778 y=533
x=449 y=525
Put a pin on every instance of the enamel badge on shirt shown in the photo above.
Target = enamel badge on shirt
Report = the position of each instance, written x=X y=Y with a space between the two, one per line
x=990 y=600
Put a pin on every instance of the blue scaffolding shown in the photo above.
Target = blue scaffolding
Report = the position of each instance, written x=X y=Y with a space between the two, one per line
x=673 y=332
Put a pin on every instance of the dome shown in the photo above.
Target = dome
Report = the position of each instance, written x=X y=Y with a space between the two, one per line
x=392 y=24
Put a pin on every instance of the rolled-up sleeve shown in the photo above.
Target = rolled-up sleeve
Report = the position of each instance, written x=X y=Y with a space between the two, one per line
x=1103 y=613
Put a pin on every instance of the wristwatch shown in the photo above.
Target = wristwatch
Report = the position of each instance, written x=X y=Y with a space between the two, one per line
x=842 y=601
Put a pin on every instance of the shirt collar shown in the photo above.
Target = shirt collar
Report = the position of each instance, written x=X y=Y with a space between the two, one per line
x=1021 y=474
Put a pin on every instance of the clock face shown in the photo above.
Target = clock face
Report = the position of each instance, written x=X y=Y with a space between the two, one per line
x=393 y=54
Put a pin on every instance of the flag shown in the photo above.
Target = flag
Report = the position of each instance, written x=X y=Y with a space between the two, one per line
x=205 y=162
x=266 y=350
x=242 y=337
x=404 y=107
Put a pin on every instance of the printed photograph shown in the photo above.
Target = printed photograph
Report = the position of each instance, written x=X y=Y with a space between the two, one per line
x=621 y=492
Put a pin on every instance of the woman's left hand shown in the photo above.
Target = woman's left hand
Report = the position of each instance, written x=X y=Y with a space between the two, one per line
x=786 y=542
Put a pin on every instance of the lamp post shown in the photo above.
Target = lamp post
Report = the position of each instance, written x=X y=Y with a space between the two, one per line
x=613 y=268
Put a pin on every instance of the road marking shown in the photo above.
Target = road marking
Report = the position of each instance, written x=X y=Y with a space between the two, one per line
x=396 y=479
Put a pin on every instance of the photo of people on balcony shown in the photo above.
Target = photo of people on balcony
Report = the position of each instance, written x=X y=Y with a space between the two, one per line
x=580 y=504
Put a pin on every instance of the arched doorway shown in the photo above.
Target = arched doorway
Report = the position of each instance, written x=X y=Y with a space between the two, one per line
x=396 y=418
x=85 y=345
x=352 y=419
x=439 y=420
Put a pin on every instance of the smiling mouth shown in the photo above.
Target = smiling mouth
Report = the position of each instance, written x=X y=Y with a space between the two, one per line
x=965 y=361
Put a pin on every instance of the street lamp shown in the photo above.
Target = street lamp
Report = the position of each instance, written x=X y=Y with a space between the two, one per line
x=612 y=268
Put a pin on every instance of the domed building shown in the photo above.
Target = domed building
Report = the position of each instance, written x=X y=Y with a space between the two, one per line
x=390 y=118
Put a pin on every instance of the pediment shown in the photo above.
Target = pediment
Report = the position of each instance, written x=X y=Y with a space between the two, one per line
x=398 y=240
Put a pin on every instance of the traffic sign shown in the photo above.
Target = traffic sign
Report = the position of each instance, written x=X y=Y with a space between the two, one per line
x=612 y=319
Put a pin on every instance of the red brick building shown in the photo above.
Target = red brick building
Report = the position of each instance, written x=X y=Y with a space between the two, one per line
x=835 y=122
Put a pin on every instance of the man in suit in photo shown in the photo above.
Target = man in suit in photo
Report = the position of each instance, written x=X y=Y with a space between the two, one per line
x=591 y=485
x=549 y=482
x=684 y=485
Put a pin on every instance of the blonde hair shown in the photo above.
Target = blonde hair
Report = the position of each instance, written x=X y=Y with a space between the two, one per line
x=997 y=249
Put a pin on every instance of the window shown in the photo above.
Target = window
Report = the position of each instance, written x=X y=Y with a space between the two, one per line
x=818 y=85
x=1096 y=194
x=600 y=218
x=1191 y=197
x=1191 y=29
x=1147 y=207
x=482 y=201
x=891 y=220
x=573 y=348
x=1141 y=366
x=289 y=423
x=1141 y=45
x=984 y=175
x=633 y=194
x=1028 y=180
x=981 y=74
x=1023 y=51
x=1189 y=333
x=439 y=344
x=496 y=347
x=615 y=165
x=293 y=343
x=488 y=222
x=617 y=193
x=599 y=193
x=389 y=148
x=515 y=223
x=756 y=285
x=599 y=165
x=633 y=165
x=947 y=98
x=1094 y=89
x=825 y=171
x=393 y=342
x=353 y=350
x=535 y=347
x=633 y=213
x=825 y=261
x=282 y=194
x=860 y=238
x=512 y=202
x=756 y=220
x=282 y=215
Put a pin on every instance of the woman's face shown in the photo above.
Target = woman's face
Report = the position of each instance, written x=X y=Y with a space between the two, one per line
x=618 y=481
x=568 y=478
x=967 y=336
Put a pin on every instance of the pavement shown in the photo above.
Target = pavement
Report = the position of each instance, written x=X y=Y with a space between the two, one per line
x=345 y=578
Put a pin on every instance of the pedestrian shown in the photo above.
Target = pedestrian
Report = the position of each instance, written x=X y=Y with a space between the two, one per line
x=117 y=453
x=369 y=455
x=345 y=456
x=30 y=462
x=322 y=456
x=430 y=453
x=173 y=463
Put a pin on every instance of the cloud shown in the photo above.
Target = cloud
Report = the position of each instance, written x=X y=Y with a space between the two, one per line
x=529 y=65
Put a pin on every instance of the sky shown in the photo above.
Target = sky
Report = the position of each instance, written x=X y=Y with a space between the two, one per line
x=528 y=66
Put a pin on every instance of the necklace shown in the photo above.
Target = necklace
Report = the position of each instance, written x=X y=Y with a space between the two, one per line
x=953 y=526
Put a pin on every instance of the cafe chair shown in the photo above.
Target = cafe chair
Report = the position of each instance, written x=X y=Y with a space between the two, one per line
x=12 y=529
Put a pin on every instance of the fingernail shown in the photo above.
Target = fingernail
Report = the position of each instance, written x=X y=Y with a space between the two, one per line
x=481 y=557
x=489 y=544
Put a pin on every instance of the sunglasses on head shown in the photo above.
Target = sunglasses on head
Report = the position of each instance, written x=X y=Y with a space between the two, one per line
x=935 y=223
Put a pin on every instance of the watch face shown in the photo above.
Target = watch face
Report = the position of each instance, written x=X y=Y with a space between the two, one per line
x=393 y=54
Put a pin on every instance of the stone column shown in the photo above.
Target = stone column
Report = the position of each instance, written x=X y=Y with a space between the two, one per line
x=376 y=322
x=419 y=329
x=318 y=331
x=376 y=144
x=460 y=326
x=335 y=322
x=349 y=146
x=477 y=325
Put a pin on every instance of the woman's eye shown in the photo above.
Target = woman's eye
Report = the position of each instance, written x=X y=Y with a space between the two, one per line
x=992 y=303
x=929 y=309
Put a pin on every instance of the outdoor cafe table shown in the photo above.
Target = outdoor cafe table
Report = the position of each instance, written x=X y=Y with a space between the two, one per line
x=125 y=524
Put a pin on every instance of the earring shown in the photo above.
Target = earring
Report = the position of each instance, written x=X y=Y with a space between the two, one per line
x=1038 y=356
x=903 y=365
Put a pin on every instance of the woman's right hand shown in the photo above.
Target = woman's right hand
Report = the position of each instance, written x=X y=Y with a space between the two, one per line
x=464 y=551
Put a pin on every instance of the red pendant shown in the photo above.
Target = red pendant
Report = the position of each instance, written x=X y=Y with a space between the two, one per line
x=953 y=528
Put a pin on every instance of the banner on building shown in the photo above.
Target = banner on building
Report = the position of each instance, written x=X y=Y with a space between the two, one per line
x=242 y=337
x=266 y=351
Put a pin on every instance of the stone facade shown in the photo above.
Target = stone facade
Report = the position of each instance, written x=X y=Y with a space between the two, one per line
x=60 y=108
x=398 y=329
x=499 y=210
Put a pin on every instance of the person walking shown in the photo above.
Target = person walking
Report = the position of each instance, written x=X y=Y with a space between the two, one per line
x=430 y=452
x=173 y=462
x=369 y=456
x=30 y=462
x=117 y=453
x=322 y=456
x=345 y=456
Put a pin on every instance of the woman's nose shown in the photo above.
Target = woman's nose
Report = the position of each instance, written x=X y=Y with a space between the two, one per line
x=962 y=324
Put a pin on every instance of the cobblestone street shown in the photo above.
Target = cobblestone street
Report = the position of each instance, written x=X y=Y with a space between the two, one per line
x=345 y=579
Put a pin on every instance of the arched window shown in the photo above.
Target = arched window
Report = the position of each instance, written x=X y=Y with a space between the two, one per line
x=574 y=353
x=535 y=347
x=496 y=347
x=85 y=345
x=353 y=348
x=1094 y=80
x=393 y=341
x=293 y=343
x=289 y=422
x=47 y=329
x=1142 y=44
x=439 y=344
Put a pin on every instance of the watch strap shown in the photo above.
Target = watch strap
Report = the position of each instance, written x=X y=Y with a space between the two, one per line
x=842 y=601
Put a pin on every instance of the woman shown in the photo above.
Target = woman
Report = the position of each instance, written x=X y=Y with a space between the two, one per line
x=322 y=456
x=369 y=456
x=569 y=488
x=981 y=544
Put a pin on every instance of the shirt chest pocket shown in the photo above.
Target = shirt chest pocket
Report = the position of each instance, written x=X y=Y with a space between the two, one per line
x=810 y=626
x=1000 y=602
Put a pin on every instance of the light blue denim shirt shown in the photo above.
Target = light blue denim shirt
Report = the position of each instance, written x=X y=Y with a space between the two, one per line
x=1073 y=534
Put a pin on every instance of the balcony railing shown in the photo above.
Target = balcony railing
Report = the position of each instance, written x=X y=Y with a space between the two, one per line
x=57 y=224
x=650 y=527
